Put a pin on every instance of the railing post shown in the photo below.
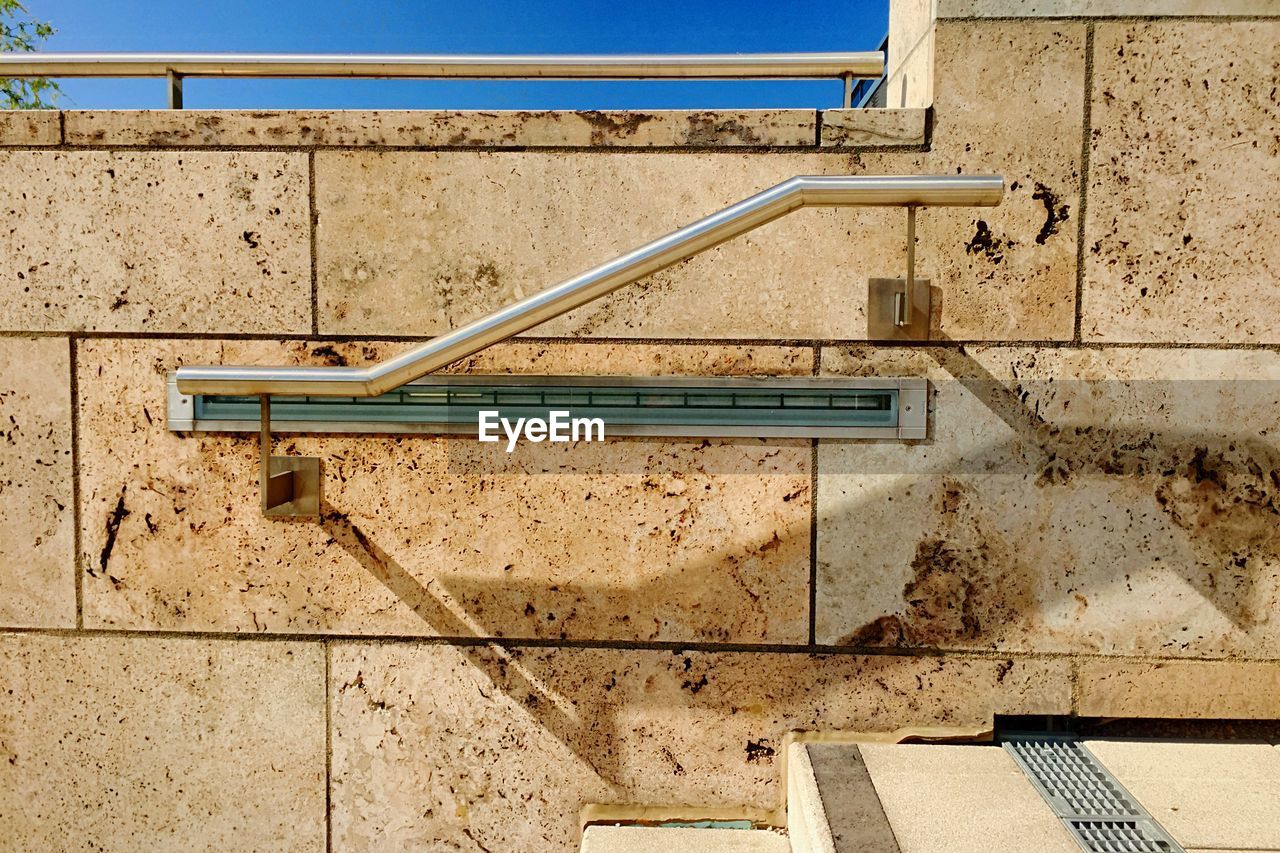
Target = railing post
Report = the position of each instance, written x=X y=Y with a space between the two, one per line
x=175 y=89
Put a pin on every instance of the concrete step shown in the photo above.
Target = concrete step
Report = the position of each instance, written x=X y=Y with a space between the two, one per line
x=651 y=839
x=915 y=798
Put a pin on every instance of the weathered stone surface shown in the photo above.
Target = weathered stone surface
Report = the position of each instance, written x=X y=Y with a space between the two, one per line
x=856 y=127
x=193 y=241
x=965 y=799
x=445 y=128
x=1205 y=794
x=1181 y=238
x=481 y=748
x=1006 y=273
x=417 y=243
x=30 y=127
x=112 y=743
x=37 y=525
x=1099 y=8
x=1220 y=690
x=1116 y=501
x=909 y=72
x=625 y=539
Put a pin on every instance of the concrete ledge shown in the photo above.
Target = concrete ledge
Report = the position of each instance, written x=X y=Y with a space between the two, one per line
x=30 y=127
x=1102 y=8
x=646 y=839
x=872 y=127
x=449 y=129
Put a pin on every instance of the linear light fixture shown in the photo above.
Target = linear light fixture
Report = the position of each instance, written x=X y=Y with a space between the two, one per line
x=789 y=407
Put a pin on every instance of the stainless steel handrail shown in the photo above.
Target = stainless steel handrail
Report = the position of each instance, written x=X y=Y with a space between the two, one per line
x=803 y=191
x=602 y=67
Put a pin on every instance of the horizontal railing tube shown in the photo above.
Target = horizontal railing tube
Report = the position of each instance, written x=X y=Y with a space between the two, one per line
x=760 y=66
x=812 y=191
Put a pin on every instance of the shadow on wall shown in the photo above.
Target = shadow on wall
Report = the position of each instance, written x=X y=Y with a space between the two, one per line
x=1028 y=532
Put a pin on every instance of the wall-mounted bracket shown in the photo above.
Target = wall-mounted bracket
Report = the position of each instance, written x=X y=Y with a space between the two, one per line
x=898 y=309
x=290 y=484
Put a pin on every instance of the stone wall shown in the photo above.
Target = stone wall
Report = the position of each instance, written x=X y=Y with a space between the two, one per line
x=469 y=647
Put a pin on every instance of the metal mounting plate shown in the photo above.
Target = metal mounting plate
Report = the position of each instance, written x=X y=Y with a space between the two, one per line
x=880 y=302
x=303 y=492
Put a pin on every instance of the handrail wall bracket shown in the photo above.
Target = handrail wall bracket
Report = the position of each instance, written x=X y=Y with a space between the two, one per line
x=901 y=309
x=290 y=485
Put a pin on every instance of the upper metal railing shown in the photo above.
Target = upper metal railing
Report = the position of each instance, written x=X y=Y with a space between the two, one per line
x=865 y=191
x=176 y=67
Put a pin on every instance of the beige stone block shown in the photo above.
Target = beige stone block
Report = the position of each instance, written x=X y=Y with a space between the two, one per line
x=1120 y=501
x=114 y=743
x=477 y=747
x=1216 y=690
x=37 y=522
x=1009 y=272
x=868 y=127
x=30 y=127
x=1205 y=794
x=419 y=243
x=1181 y=238
x=444 y=128
x=909 y=73
x=963 y=799
x=630 y=539
x=124 y=241
x=1099 y=8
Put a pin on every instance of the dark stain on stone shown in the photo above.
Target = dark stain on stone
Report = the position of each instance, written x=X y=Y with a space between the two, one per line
x=712 y=128
x=695 y=686
x=759 y=750
x=252 y=238
x=1054 y=212
x=984 y=242
x=967 y=582
x=332 y=358
x=605 y=125
x=113 y=529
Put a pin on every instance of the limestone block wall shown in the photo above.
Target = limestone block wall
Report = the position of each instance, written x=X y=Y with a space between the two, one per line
x=470 y=646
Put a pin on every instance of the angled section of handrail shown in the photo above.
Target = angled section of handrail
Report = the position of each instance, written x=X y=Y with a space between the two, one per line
x=804 y=191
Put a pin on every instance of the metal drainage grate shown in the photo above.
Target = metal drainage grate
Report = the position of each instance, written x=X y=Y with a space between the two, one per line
x=1097 y=810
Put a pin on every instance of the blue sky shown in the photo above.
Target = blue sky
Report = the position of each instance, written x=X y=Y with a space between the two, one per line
x=459 y=26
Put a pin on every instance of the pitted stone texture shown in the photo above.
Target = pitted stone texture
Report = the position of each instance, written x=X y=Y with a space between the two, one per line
x=859 y=127
x=1181 y=238
x=30 y=127
x=37 y=524
x=113 y=743
x=1009 y=272
x=1116 y=501
x=627 y=539
x=1099 y=8
x=419 y=243
x=192 y=241
x=441 y=128
x=482 y=748
x=1221 y=690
